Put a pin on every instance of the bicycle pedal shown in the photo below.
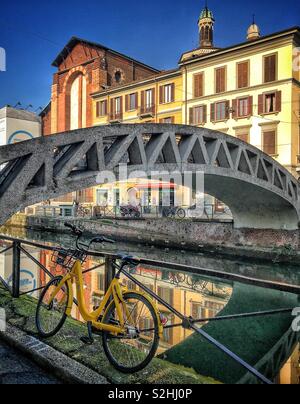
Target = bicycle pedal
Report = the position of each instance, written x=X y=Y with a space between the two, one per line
x=87 y=340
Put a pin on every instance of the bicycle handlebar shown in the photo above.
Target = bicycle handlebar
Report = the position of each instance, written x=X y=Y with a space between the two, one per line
x=79 y=233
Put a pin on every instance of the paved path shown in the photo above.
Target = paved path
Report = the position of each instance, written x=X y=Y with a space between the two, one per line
x=17 y=369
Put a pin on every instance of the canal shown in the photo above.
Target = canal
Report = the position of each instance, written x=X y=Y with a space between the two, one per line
x=191 y=293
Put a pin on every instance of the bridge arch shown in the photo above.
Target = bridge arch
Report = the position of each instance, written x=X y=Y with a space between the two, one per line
x=259 y=191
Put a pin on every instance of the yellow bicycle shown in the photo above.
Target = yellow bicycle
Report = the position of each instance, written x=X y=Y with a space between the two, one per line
x=129 y=321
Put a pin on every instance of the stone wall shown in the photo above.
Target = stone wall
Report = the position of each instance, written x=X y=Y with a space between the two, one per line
x=213 y=237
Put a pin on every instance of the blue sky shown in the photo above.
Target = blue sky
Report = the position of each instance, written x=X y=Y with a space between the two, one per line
x=155 y=32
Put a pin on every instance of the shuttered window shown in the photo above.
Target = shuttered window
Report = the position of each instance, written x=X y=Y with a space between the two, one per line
x=166 y=294
x=198 y=85
x=167 y=94
x=101 y=108
x=243 y=136
x=243 y=74
x=270 y=103
x=269 y=142
x=198 y=115
x=270 y=68
x=220 y=111
x=131 y=102
x=220 y=80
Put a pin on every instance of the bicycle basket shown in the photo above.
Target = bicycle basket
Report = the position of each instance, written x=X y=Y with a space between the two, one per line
x=67 y=258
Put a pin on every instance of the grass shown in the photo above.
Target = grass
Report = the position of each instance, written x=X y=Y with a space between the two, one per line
x=21 y=314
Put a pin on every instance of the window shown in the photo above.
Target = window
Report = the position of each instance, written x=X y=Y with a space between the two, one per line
x=198 y=115
x=244 y=136
x=270 y=68
x=149 y=98
x=131 y=101
x=269 y=142
x=167 y=93
x=101 y=108
x=243 y=107
x=101 y=282
x=167 y=120
x=243 y=74
x=220 y=111
x=199 y=85
x=118 y=76
x=221 y=80
x=118 y=105
x=166 y=294
x=269 y=103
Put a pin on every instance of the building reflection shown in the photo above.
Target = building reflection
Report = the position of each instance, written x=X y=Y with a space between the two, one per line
x=190 y=294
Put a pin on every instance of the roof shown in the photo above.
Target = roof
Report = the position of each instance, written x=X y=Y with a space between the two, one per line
x=75 y=40
x=198 y=55
x=9 y=112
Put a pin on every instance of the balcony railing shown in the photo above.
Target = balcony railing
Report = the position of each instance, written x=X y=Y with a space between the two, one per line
x=147 y=111
x=116 y=117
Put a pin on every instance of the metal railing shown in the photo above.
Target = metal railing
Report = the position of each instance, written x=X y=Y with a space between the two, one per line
x=18 y=247
x=211 y=213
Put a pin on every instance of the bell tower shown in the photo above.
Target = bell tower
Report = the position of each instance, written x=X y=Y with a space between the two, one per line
x=206 y=28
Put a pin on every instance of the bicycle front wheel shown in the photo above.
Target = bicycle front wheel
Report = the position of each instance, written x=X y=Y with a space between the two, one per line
x=133 y=351
x=51 y=316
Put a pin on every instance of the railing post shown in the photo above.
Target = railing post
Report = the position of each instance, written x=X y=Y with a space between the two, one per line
x=16 y=270
x=109 y=272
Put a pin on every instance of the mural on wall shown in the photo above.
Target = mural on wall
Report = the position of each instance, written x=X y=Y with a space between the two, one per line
x=19 y=136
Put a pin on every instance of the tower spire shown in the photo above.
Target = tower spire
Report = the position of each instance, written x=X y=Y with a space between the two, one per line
x=206 y=27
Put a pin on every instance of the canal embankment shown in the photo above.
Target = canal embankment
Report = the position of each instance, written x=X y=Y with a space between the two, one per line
x=20 y=315
x=190 y=235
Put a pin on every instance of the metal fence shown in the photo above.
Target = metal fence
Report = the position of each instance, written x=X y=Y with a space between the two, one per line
x=18 y=247
x=210 y=213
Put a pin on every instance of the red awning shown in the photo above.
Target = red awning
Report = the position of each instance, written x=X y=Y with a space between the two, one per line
x=158 y=185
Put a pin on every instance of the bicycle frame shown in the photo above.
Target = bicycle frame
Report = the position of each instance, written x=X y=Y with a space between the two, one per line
x=115 y=292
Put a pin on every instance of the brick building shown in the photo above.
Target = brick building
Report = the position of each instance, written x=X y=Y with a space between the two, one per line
x=83 y=68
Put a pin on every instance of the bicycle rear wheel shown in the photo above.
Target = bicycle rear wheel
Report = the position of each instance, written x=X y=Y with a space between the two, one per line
x=133 y=351
x=50 y=317
x=181 y=213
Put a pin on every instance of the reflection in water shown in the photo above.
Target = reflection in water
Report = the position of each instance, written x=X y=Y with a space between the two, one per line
x=190 y=294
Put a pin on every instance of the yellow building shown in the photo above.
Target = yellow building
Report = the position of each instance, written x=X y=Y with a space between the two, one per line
x=156 y=100
x=250 y=90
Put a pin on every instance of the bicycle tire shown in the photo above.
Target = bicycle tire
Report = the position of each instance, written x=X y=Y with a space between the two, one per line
x=107 y=337
x=54 y=282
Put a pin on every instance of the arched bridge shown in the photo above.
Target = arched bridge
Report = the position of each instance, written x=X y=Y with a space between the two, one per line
x=259 y=191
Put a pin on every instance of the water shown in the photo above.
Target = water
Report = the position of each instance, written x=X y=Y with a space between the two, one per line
x=192 y=294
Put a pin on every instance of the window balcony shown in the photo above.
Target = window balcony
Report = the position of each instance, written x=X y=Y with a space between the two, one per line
x=147 y=111
x=116 y=117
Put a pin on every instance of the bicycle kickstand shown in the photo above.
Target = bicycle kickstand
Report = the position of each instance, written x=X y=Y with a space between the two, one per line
x=89 y=340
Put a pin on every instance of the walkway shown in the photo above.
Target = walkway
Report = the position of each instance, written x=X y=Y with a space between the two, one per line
x=16 y=369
